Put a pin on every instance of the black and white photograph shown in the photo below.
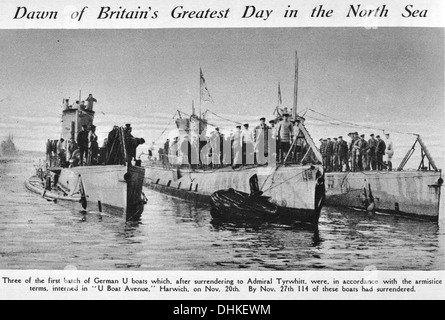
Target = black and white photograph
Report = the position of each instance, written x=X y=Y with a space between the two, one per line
x=222 y=149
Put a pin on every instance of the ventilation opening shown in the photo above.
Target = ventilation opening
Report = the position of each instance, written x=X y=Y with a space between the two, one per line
x=169 y=183
x=179 y=185
x=196 y=188
x=157 y=181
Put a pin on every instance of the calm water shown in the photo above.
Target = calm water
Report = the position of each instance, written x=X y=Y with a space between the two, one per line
x=175 y=235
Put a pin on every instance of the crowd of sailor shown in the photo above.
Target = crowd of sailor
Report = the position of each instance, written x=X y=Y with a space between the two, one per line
x=359 y=154
x=118 y=148
x=83 y=150
x=279 y=141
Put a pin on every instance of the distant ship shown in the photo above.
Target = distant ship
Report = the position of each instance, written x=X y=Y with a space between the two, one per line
x=115 y=187
x=8 y=148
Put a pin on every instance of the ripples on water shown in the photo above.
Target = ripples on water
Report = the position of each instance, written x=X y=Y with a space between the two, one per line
x=176 y=235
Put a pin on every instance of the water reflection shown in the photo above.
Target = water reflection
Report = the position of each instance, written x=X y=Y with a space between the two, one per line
x=172 y=234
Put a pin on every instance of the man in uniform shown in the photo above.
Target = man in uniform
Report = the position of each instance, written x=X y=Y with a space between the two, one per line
x=261 y=136
x=248 y=145
x=335 y=155
x=389 y=152
x=343 y=153
x=284 y=133
x=93 y=146
x=362 y=153
x=329 y=153
x=82 y=142
x=273 y=141
x=372 y=154
x=215 y=143
x=61 y=152
x=324 y=152
x=355 y=151
x=380 y=152
x=113 y=145
x=237 y=148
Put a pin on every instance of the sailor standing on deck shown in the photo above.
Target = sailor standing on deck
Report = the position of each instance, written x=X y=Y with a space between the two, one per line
x=71 y=147
x=61 y=152
x=215 y=143
x=236 y=147
x=93 y=146
x=273 y=137
x=330 y=154
x=372 y=153
x=324 y=153
x=335 y=156
x=82 y=142
x=355 y=152
x=248 y=144
x=343 y=153
x=284 y=133
x=112 y=145
x=381 y=148
x=261 y=135
x=362 y=155
x=389 y=152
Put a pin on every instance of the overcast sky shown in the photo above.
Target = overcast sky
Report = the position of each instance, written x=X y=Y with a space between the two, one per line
x=390 y=78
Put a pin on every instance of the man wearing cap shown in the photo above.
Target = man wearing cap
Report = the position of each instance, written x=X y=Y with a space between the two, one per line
x=215 y=143
x=61 y=152
x=273 y=140
x=389 y=152
x=236 y=147
x=380 y=152
x=335 y=155
x=355 y=152
x=113 y=144
x=93 y=146
x=330 y=154
x=284 y=133
x=261 y=136
x=372 y=154
x=82 y=142
x=221 y=146
x=324 y=152
x=343 y=154
x=248 y=145
x=362 y=155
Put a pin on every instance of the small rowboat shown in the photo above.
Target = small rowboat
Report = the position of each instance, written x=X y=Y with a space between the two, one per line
x=234 y=204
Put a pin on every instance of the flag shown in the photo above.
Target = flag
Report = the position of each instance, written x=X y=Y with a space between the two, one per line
x=205 y=94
